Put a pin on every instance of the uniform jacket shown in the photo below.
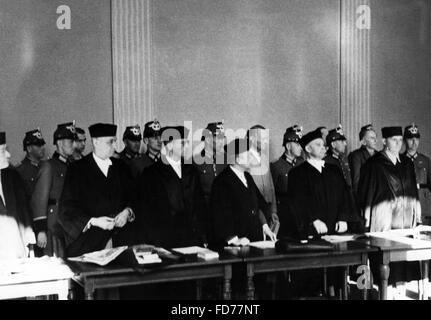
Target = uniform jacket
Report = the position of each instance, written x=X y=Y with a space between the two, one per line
x=29 y=171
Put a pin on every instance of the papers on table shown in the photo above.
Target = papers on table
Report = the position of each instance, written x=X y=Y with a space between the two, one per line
x=263 y=244
x=202 y=253
x=102 y=257
x=339 y=238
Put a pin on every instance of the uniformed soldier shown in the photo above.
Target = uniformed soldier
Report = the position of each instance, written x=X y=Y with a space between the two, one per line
x=132 y=140
x=47 y=192
x=280 y=171
x=34 y=147
x=260 y=169
x=357 y=158
x=422 y=168
x=337 y=144
x=154 y=145
x=210 y=162
x=79 y=144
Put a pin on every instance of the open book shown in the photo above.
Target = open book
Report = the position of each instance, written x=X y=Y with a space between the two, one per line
x=143 y=254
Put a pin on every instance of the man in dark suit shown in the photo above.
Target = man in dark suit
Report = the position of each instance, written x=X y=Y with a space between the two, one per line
x=16 y=233
x=237 y=206
x=95 y=206
x=170 y=197
x=357 y=158
x=47 y=192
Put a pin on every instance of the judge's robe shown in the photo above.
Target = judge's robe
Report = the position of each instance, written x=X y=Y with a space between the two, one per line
x=388 y=193
x=237 y=210
x=15 y=219
x=170 y=209
x=389 y=198
x=319 y=196
x=88 y=193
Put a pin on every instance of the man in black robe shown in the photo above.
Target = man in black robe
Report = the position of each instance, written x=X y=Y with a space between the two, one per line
x=170 y=199
x=319 y=194
x=237 y=206
x=95 y=206
x=389 y=196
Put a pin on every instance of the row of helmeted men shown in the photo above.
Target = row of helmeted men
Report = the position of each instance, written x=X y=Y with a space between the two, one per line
x=230 y=193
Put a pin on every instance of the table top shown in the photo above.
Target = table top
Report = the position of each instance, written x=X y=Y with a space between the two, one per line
x=341 y=248
x=394 y=243
x=89 y=269
x=20 y=271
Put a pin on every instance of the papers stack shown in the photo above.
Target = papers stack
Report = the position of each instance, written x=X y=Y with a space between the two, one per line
x=102 y=257
x=201 y=253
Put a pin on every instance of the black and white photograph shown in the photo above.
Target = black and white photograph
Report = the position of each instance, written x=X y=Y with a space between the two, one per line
x=215 y=155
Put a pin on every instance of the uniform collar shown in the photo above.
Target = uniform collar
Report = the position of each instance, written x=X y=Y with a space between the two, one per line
x=33 y=163
x=412 y=157
x=289 y=160
x=58 y=156
x=152 y=157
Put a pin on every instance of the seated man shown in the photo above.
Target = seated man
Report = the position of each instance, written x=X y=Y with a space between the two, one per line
x=237 y=205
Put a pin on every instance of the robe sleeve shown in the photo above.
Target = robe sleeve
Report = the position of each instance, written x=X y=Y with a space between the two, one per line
x=72 y=217
x=221 y=209
x=355 y=170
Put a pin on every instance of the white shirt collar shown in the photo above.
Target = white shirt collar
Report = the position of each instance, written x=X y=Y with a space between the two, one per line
x=240 y=174
x=103 y=164
x=392 y=158
x=318 y=164
x=176 y=165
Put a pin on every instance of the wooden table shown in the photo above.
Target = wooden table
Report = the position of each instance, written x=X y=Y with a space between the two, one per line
x=36 y=277
x=395 y=249
x=92 y=277
x=268 y=261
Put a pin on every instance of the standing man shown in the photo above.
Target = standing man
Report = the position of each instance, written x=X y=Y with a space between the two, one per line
x=258 y=138
x=357 y=158
x=132 y=144
x=210 y=162
x=16 y=233
x=95 y=207
x=318 y=192
x=154 y=145
x=336 y=155
x=422 y=168
x=170 y=198
x=389 y=197
x=34 y=147
x=387 y=187
x=47 y=192
x=79 y=144
x=280 y=174
x=237 y=205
